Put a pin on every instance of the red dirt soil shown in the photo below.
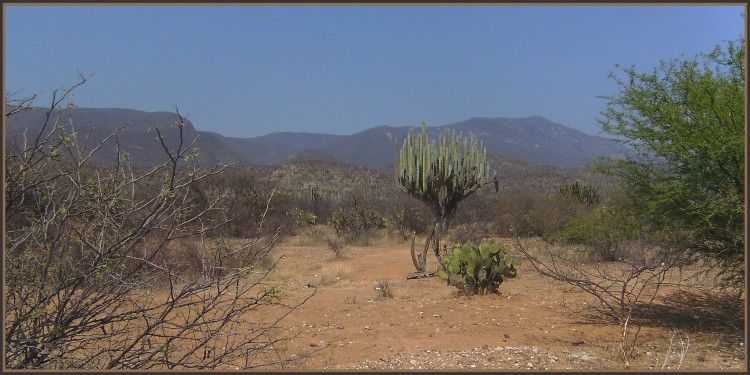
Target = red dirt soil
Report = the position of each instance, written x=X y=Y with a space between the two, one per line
x=531 y=325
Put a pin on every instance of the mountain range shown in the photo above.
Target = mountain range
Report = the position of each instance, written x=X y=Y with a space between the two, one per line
x=533 y=139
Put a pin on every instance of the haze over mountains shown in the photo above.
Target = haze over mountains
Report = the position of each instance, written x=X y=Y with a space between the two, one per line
x=533 y=139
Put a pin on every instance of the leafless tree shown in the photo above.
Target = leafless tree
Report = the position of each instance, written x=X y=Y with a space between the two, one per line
x=623 y=289
x=91 y=276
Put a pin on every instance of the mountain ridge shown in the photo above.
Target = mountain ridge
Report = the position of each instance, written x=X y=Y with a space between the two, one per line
x=532 y=138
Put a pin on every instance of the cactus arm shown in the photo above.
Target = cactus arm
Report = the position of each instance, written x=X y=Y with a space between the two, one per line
x=413 y=254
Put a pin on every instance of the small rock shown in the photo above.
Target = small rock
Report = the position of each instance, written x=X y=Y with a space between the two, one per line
x=578 y=342
x=318 y=344
x=507 y=336
x=413 y=362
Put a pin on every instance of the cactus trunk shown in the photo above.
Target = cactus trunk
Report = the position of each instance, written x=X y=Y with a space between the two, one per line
x=440 y=227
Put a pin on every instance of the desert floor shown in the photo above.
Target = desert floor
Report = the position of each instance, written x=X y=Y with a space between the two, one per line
x=533 y=324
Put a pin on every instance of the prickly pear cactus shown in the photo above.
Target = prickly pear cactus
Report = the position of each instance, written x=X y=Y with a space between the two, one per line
x=478 y=269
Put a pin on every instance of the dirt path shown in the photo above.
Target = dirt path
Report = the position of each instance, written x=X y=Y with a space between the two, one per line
x=425 y=325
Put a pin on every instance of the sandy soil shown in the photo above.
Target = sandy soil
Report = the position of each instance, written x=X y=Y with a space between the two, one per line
x=531 y=325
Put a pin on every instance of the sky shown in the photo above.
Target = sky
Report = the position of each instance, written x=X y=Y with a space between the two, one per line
x=250 y=70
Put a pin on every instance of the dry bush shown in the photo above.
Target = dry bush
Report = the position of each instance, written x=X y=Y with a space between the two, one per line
x=207 y=257
x=679 y=345
x=337 y=245
x=385 y=288
x=189 y=256
x=624 y=290
x=531 y=214
x=511 y=213
x=250 y=200
x=85 y=245
x=407 y=216
x=475 y=233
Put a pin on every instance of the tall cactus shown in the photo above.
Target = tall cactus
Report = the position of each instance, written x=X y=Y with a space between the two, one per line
x=314 y=194
x=441 y=175
x=585 y=194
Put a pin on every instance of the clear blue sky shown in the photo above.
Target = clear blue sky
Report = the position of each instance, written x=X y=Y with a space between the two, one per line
x=250 y=70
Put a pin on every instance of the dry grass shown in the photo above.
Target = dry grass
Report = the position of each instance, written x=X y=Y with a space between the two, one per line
x=314 y=235
x=322 y=236
x=333 y=274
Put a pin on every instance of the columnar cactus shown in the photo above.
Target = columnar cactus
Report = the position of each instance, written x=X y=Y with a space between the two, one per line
x=585 y=194
x=314 y=194
x=441 y=175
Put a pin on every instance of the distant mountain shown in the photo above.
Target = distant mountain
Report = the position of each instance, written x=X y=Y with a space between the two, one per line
x=311 y=154
x=533 y=139
x=276 y=148
x=138 y=139
x=539 y=140
x=373 y=148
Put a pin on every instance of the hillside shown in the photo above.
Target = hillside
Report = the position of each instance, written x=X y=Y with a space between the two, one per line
x=137 y=137
x=337 y=180
x=532 y=139
x=274 y=148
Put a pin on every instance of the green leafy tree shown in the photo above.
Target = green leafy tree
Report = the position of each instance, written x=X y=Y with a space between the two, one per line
x=441 y=175
x=685 y=121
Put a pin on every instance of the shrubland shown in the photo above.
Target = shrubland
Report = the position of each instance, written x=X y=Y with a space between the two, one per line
x=116 y=267
x=95 y=253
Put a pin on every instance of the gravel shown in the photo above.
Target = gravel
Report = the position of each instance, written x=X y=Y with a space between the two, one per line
x=481 y=358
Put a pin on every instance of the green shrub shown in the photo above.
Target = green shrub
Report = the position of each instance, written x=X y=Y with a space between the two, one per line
x=282 y=198
x=356 y=223
x=302 y=218
x=478 y=269
x=602 y=231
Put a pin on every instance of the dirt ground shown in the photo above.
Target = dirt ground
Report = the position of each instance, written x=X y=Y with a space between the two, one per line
x=531 y=325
